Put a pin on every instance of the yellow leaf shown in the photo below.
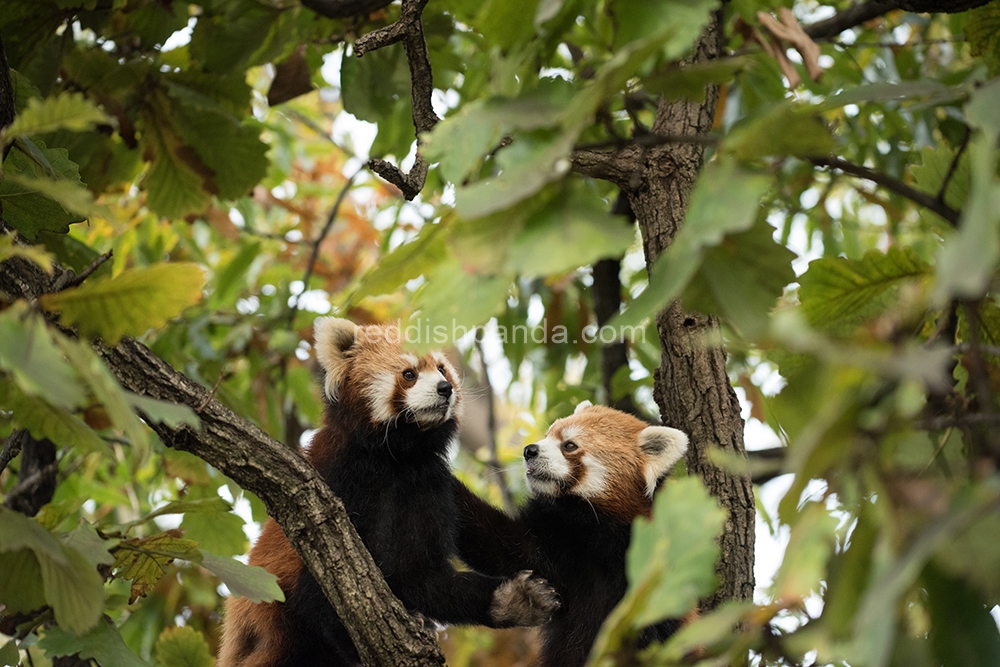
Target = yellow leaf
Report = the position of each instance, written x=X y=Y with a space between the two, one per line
x=131 y=303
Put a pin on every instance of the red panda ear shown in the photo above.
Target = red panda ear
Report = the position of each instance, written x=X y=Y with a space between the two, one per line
x=664 y=446
x=334 y=336
x=582 y=405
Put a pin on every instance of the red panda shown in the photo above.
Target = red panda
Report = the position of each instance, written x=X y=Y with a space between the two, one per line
x=590 y=477
x=389 y=420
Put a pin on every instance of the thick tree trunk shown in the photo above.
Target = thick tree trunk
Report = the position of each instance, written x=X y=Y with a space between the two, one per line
x=296 y=496
x=692 y=387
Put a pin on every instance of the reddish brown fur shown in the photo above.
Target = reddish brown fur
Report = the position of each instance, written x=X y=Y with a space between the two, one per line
x=253 y=637
x=611 y=437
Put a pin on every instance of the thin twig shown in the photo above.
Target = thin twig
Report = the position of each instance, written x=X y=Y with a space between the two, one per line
x=651 y=140
x=211 y=394
x=11 y=448
x=494 y=462
x=28 y=483
x=973 y=419
x=892 y=184
x=953 y=167
x=70 y=279
x=409 y=30
x=314 y=255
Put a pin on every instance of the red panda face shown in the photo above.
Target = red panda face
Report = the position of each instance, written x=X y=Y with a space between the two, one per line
x=605 y=456
x=367 y=365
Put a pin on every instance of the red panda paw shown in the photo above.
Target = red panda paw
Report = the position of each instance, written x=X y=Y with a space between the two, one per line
x=524 y=601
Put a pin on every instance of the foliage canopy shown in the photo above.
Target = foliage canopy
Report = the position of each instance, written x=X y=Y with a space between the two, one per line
x=845 y=230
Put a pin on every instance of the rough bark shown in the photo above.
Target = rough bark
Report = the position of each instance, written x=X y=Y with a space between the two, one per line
x=296 y=496
x=692 y=387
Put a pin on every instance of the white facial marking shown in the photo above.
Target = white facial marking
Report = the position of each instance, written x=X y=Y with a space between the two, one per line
x=545 y=471
x=571 y=432
x=380 y=392
x=411 y=359
x=594 y=483
x=428 y=406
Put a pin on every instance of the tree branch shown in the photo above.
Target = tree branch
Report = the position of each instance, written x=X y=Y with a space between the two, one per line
x=409 y=30
x=857 y=14
x=892 y=184
x=296 y=496
x=317 y=242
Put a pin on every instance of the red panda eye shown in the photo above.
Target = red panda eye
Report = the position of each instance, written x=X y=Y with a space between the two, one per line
x=441 y=369
x=569 y=446
x=409 y=375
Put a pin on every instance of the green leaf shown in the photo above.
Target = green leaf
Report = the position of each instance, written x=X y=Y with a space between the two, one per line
x=232 y=279
x=232 y=151
x=785 y=129
x=20 y=582
x=75 y=591
x=451 y=302
x=690 y=80
x=103 y=644
x=812 y=540
x=9 y=655
x=963 y=633
x=44 y=420
x=173 y=415
x=742 y=278
x=507 y=24
x=670 y=562
x=838 y=293
x=704 y=632
x=982 y=30
x=218 y=532
x=372 y=86
x=975 y=556
x=935 y=165
x=460 y=142
x=74 y=197
x=183 y=646
x=664 y=29
x=578 y=223
x=30 y=354
x=968 y=259
x=65 y=111
x=676 y=549
x=249 y=581
x=212 y=505
x=175 y=178
x=28 y=210
x=92 y=546
x=930 y=90
x=132 y=303
x=405 y=263
x=725 y=200
x=675 y=22
x=71 y=584
x=527 y=164
x=19 y=532
x=110 y=394
x=9 y=248
x=144 y=560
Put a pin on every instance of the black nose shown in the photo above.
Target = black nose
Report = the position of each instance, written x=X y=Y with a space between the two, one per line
x=531 y=451
x=444 y=388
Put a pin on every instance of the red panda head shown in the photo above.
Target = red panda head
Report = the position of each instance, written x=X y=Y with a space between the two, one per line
x=366 y=367
x=605 y=456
